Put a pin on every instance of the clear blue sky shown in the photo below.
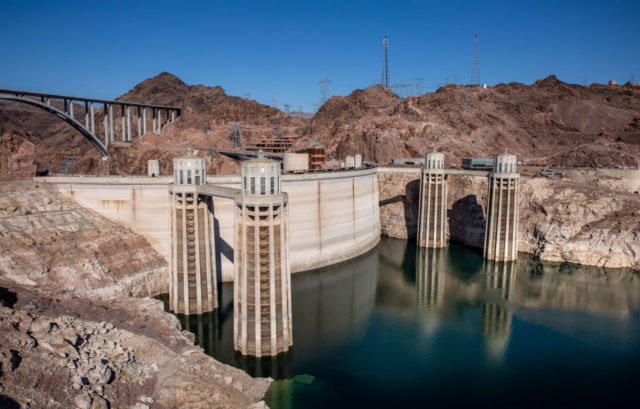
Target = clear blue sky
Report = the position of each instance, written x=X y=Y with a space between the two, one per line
x=279 y=50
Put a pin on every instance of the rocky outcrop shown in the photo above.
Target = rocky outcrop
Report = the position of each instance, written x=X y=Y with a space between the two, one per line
x=17 y=150
x=548 y=121
x=63 y=352
x=399 y=194
x=47 y=239
x=562 y=221
x=566 y=221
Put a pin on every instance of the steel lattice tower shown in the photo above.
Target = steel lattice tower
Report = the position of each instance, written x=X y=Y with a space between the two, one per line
x=324 y=90
x=475 y=67
x=385 y=63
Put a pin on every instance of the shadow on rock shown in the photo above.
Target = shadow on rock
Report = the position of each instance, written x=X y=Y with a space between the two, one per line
x=411 y=204
x=467 y=222
x=8 y=403
x=7 y=299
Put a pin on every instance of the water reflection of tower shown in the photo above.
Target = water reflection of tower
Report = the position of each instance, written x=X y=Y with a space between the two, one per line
x=429 y=281
x=496 y=316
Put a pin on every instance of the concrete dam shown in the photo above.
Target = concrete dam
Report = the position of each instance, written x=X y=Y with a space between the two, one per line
x=335 y=214
x=256 y=229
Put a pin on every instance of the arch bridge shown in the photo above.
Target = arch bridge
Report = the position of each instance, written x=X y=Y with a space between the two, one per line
x=71 y=110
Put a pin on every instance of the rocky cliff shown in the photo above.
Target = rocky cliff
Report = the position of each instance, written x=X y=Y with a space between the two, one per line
x=560 y=220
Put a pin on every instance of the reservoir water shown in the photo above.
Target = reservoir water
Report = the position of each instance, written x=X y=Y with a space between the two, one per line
x=407 y=327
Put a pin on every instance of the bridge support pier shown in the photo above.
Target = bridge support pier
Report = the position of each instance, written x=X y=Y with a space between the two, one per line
x=159 y=121
x=432 y=220
x=106 y=127
x=501 y=234
x=262 y=285
x=128 y=124
x=144 y=120
x=86 y=115
x=153 y=116
x=139 y=133
x=122 y=120
x=192 y=285
x=93 y=122
x=111 y=122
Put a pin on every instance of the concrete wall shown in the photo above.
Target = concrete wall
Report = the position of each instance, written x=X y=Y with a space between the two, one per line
x=333 y=216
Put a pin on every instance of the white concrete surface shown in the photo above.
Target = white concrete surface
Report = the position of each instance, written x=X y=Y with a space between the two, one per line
x=333 y=216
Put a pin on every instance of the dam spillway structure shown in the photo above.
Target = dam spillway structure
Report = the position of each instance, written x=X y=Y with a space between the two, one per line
x=262 y=282
x=192 y=285
x=501 y=233
x=432 y=221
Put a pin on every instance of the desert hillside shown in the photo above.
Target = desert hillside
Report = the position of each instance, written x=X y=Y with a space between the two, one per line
x=546 y=122
x=33 y=139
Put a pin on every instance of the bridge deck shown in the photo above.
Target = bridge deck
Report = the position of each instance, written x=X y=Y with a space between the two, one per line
x=94 y=100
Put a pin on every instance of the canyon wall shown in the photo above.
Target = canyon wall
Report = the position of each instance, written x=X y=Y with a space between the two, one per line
x=560 y=220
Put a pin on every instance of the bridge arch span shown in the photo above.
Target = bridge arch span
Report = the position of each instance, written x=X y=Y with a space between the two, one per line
x=52 y=110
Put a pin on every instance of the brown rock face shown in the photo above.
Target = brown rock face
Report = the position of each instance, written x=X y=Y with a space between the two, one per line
x=549 y=121
x=17 y=150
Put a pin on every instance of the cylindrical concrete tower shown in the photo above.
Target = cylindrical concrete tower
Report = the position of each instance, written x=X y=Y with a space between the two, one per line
x=262 y=286
x=432 y=217
x=192 y=287
x=501 y=233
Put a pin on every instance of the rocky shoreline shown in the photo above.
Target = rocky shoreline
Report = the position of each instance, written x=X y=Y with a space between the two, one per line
x=61 y=351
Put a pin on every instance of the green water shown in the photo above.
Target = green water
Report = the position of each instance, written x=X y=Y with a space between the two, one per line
x=402 y=327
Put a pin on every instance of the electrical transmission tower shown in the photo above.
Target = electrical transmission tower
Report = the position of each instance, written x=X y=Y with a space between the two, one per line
x=475 y=67
x=235 y=136
x=385 y=63
x=324 y=90
x=419 y=86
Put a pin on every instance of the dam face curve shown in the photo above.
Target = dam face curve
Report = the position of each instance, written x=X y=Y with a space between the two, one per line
x=333 y=216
